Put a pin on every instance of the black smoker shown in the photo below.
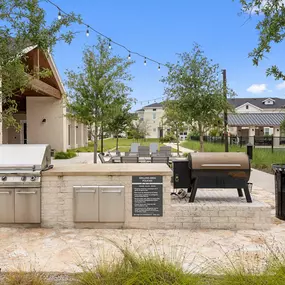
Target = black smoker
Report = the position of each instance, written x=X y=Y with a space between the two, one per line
x=213 y=170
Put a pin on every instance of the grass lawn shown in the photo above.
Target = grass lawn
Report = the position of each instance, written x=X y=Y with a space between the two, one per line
x=124 y=145
x=262 y=158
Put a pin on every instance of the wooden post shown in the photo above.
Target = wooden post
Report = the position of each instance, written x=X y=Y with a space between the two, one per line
x=225 y=112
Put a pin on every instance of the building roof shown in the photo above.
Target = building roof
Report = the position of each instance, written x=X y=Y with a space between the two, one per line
x=256 y=119
x=258 y=102
x=154 y=105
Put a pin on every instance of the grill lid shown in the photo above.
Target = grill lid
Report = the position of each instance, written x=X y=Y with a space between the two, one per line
x=218 y=160
x=24 y=157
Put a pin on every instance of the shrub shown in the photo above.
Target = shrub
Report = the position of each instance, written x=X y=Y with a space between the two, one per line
x=135 y=269
x=167 y=138
x=65 y=155
x=25 y=278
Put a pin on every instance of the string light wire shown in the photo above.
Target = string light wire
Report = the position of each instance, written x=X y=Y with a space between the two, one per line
x=62 y=12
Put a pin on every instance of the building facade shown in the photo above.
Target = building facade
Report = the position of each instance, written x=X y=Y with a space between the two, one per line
x=41 y=110
x=252 y=117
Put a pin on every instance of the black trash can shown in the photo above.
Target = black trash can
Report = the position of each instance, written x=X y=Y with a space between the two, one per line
x=279 y=171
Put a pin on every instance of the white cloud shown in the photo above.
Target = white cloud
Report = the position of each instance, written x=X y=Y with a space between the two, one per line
x=257 y=88
x=280 y=86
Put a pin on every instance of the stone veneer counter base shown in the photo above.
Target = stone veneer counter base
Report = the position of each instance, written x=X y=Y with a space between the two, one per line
x=218 y=209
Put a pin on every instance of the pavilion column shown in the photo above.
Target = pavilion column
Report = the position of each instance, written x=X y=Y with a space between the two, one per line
x=251 y=134
x=276 y=136
x=85 y=135
x=73 y=134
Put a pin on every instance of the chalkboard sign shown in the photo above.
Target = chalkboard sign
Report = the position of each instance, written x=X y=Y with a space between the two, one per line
x=147 y=196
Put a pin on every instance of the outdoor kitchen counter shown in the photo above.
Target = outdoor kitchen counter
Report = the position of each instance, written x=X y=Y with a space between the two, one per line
x=118 y=169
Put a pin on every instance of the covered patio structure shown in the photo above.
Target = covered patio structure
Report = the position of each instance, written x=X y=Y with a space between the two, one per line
x=41 y=109
x=256 y=126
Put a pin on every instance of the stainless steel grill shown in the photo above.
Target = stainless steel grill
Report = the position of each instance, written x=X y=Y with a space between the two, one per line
x=20 y=181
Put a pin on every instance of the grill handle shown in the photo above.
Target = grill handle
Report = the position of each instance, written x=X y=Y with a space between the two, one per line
x=18 y=166
x=5 y=192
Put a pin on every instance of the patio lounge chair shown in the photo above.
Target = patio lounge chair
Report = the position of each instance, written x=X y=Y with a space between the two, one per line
x=166 y=150
x=129 y=159
x=131 y=154
x=134 y=147
x=153 y=148
x=160 y=159
x=102 y=159
x=144 y=151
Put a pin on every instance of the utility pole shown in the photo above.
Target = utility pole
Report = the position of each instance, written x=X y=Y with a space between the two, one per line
x=225 y=111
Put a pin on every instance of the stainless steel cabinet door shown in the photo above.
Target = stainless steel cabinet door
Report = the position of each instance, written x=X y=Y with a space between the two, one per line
x=111 y=204
x=7 y=203
x=27 y=205
x=86 y=204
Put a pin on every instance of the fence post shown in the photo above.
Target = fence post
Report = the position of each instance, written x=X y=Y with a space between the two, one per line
x=272 y=144
x=240 y=141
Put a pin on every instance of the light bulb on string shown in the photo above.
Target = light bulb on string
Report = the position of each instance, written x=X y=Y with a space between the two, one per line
x=87 y=32
x=59 y=15
x=129 y=56
x=144 y=61
x=110 y=44
x=159 y=67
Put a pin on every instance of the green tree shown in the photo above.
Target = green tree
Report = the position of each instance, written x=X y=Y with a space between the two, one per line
x=120 y=122
x=23 y=24
x=96 y=87
x=271 y=28
x=193 y=82
x=174 y=119
x=139 y=129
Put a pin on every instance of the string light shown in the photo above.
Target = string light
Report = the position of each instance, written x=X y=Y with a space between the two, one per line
x=158 y=67
x=129 y=56
x=61 y=12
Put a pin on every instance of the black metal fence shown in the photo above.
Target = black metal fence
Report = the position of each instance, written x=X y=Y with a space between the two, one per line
x=266 y=141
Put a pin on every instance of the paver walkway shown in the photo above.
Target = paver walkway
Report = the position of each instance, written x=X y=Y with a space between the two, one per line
x=65 y=250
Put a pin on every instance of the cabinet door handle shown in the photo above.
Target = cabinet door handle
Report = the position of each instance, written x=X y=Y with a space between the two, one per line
x=85 y=191
x=5 y=192
x=111 y=191
x=26 y=193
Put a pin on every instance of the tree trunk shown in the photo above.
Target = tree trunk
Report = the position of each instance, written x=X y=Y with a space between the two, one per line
x=95 y=144
x=117 y=143
x=102 y=139
x=201 y=138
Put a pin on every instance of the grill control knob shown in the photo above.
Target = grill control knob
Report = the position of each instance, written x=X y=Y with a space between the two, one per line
x=23 y=178
x=33 y=178
x=4 y=178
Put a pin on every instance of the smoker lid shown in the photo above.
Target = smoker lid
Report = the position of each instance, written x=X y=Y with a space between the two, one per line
x=35 y=157
x=219 y=160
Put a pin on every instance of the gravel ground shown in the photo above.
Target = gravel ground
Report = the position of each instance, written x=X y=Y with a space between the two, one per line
x=55 y=277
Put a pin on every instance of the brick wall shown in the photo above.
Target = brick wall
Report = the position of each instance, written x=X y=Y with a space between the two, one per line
x=57 y=208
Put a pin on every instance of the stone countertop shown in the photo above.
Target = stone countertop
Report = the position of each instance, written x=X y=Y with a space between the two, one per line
x=116 y=169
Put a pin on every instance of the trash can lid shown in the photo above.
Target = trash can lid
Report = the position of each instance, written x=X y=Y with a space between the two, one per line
x=278 y=167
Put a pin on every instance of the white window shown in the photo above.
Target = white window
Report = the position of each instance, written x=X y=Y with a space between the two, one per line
x=154 y=116
x=266 y=131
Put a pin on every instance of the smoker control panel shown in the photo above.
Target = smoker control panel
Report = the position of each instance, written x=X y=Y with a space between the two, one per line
x=4 y=178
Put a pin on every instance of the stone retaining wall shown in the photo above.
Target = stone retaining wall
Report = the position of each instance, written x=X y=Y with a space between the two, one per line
x=57 y=207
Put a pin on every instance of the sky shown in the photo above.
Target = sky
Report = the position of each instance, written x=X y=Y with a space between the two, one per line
x=160 y=29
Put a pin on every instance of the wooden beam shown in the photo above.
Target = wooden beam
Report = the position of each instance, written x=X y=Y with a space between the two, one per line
x=36 y=62
x=43 y=88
